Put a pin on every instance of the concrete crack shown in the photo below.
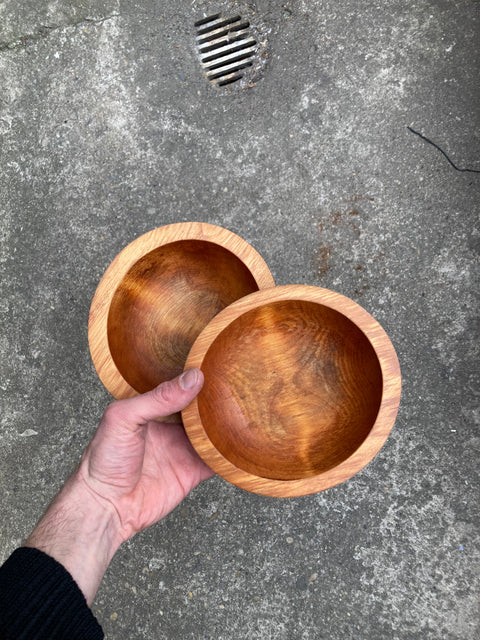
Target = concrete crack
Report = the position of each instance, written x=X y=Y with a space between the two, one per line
x=44 y=31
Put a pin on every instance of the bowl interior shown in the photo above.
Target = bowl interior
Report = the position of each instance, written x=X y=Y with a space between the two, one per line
x=164 y=302
x=292 y=389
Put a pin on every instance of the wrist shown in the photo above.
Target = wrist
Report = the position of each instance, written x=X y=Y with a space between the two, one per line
x=81 y=531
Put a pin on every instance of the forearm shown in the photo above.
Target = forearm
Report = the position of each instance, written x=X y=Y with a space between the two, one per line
x=81 y=532
x=134 y=471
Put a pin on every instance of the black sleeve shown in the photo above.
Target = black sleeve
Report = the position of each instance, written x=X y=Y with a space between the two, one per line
x=39 y=600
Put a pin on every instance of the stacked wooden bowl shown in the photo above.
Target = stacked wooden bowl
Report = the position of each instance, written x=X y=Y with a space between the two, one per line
x=302 y=385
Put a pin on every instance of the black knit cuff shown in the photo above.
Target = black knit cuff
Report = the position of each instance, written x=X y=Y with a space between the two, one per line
x=39 y=600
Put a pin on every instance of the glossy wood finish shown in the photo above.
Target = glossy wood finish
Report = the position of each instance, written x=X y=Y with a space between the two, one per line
x=158 y=294
x=302 y=387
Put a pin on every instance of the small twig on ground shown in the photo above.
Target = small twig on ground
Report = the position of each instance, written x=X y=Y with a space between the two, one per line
x=442 y=151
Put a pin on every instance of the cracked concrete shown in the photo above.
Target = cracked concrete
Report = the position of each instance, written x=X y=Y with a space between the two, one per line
x=35 y=19
x=108 y=129
x=44 y=31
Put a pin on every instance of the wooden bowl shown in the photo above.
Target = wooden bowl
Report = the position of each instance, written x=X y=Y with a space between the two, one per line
x=158 y=294
x=302 y=387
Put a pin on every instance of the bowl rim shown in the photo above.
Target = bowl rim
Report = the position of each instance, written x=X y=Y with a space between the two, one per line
x=98 y=341
x=368 y=449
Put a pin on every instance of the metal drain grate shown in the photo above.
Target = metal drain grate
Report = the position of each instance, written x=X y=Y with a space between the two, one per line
x=227 y=48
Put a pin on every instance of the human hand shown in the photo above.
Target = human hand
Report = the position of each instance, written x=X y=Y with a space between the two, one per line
x=133 y=473
x=142 y=467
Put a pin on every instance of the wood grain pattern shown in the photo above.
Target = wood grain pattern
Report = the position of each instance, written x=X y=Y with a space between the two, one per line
x=302 y=387
x=158 y=294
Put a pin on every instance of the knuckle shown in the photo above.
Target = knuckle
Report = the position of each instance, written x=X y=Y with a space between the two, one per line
x=115 y=413
x=111 y=412
x=164 y=394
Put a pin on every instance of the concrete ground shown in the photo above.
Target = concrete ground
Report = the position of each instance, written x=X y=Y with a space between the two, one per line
x=109 y=129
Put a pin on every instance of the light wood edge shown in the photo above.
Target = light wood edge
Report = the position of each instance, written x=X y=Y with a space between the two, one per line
x=387 y=413
x=123 y=262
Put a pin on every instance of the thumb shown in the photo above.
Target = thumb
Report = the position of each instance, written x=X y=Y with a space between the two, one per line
x=169 y=397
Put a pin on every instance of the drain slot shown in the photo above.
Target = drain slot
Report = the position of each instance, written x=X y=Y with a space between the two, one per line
x=231 y=50
x=219 y=25
x=230 y=80
x=233 y=69
x=234 y=59
x=221 y=33
x=227 y=47
x=203 y=21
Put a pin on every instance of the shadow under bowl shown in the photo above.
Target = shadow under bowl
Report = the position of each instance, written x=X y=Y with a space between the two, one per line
x=302 y=387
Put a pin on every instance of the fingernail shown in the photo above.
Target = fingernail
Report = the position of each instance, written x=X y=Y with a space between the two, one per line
x=189 y=379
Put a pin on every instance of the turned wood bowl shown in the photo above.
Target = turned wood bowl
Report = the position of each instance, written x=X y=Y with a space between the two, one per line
x=302 y=387
x=158 y=294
